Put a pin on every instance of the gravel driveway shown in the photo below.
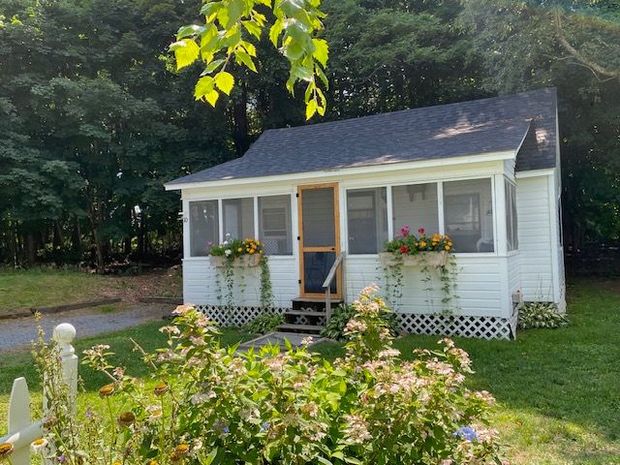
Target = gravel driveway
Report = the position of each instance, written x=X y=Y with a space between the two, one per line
x=18 y=333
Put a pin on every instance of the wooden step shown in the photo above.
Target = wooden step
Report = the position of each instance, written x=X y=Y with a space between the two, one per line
x=300 y=328
x=304 y=313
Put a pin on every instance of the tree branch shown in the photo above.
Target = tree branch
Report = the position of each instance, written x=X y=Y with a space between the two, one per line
x=593 y=66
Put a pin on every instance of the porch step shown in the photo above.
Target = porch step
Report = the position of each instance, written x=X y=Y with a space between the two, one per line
x=304 y=313
x=312 y=329
x=315 y=303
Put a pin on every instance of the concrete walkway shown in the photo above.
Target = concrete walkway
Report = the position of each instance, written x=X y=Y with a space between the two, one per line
x=18 y=333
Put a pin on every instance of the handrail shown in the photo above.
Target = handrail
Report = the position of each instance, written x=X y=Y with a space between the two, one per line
x=327 y=285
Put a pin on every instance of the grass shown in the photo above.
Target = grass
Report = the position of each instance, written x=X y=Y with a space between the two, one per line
x=558 y=391
x=23 y=289
x=14 y=365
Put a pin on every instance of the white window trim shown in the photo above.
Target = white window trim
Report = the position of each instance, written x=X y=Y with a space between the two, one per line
x=440 y=210
x=220 y=210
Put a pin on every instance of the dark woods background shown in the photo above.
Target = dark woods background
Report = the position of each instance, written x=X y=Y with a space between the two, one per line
x=93 y=120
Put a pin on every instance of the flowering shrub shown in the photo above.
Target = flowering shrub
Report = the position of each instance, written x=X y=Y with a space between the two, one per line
x=342 y=314
x=234 y=248
x=205 y=404
x=409 y=244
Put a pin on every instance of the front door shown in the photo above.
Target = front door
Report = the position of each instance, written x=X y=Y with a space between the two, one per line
x=319 y=238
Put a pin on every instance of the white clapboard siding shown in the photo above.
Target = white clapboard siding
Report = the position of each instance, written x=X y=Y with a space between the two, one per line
x=535 y=245
x=21 y=429
x=514 y=273
x=478 y=285
x=200 y=282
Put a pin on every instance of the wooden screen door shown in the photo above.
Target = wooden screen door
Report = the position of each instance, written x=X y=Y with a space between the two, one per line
x=319 y=238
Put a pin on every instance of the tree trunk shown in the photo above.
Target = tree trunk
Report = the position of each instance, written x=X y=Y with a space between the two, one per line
x=240 y=120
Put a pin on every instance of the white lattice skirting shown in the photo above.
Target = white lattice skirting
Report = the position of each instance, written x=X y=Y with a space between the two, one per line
x=235 y=316
x=481 y=327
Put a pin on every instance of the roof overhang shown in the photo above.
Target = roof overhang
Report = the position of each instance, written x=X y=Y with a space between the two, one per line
x=377 y=168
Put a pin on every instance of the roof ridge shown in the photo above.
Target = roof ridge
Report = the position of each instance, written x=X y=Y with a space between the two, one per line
x=407 y=110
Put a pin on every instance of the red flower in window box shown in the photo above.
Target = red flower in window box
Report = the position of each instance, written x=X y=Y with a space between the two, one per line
x=404 y=249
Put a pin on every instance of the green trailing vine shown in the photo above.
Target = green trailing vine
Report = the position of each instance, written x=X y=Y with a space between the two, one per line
x=266 y=290
x=421 y=247
x=230 y=252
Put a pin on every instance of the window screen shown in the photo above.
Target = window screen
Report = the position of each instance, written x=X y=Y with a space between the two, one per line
x=274 y=220
x=238 y=215
x=468 y=214
x=203 y=227
x=415 y=205
x=511 y=217
x=367 y=220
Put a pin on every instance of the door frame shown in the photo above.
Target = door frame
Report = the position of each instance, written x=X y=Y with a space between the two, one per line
x=300 y=241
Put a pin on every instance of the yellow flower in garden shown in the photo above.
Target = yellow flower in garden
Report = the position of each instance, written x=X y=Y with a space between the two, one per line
x=6 y=449
x=447 y=247
x=106 y=390
x=422 y=244
x=160 y=389
x=126 y=419
x=239 y=250
x=38 y=445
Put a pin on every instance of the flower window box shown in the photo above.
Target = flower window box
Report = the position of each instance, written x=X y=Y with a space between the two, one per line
x=243 y=261
x=434 y=259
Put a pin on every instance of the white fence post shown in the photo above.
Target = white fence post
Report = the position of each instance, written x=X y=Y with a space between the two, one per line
x=64 y=334
x=21 y=429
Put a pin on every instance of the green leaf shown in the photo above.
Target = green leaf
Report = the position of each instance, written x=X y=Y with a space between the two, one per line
x=321 y=51
x=203 y=87
x=324 y=461
x=275 y=31
x=252 y=28
x=311 y=108
x=212 y=97
x=213 y=66
x=187 y=31
x=243 y=58
x=186 y=52
x=224 y=81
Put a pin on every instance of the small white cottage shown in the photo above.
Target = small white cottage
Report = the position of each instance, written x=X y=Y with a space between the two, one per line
x=326 y=197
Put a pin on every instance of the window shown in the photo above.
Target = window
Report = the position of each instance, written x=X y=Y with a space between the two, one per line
x=203 y=227
x=274 y=224
x=468 y=214
x=416 y=206
x=367 y=220
x=238 y=215
x=511 y=216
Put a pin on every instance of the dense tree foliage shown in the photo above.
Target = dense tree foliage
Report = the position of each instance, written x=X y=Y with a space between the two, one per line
x=94 y=116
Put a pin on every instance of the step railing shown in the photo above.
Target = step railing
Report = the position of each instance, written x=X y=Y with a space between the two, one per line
x=327 y=285
x=21 y=429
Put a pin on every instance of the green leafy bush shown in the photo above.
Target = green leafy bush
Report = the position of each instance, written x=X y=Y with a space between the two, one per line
x=265 y=323
x=335 y=327
x=541 y=315
x=211 y=405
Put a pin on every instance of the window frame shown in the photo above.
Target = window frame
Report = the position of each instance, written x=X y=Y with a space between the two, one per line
x=510 y=201
x=232 y=196
x=388 y=199
x=440 y=206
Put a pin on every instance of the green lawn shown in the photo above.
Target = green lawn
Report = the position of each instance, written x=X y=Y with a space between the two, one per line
x=558 y=391
x=39 y=287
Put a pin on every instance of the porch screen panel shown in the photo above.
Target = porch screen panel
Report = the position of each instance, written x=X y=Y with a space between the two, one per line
x=238 y=216
x=203 y=227
x=367 y=220
x=511 y=216
x=468 y=214
x=274 y=224
x=416 y=206
x=318 y=224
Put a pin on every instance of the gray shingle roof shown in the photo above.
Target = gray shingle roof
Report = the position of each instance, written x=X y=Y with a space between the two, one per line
x=442 y=131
